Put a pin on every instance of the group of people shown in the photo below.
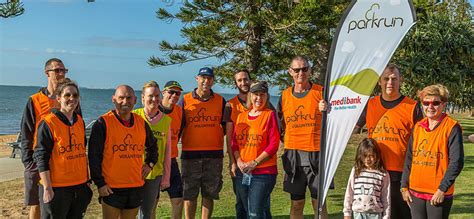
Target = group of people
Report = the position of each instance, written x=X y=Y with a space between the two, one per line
x=131 y=154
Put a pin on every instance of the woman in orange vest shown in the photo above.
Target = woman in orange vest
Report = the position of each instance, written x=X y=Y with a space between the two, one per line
x=254 y=144
x=434 y=158
x=61 y=158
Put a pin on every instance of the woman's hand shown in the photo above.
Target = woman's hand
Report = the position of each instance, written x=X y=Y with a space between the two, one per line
x=48 y=194
x=242 y=165
x=437 y=198
x=250 y=166
x=406 y=197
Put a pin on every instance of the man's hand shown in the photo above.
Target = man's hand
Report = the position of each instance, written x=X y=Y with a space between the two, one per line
x=406 y=197
x=105 y=191
x=145 y=170
x=323 y=106
x=232 y=168
x=437 y=198
x=48 y=194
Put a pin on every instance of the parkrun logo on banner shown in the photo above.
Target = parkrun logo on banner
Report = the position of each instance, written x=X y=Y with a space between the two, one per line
x=372 y=20
x=345 y=103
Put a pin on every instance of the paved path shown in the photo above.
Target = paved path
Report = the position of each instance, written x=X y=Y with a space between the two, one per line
x=10 y=168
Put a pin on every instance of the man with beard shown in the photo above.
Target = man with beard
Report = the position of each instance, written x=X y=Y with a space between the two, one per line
x=202 y=145
x=118 y=143
x=39 y=105
x=233 y=108
x=171 y=93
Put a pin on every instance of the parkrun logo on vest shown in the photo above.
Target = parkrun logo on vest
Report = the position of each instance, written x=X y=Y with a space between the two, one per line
x=424 y=157
x=384 y=127
x=127 y=145
x=245 y=136
x=373 y=20
x=202 y=117
x=345 y=103
x=72 y=147
x=299 y=116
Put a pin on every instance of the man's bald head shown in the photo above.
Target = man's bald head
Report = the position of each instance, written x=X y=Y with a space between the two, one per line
x=124 y=99
x=124 y=88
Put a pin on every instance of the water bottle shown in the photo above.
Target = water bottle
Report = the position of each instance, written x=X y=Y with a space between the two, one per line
x=247 y=179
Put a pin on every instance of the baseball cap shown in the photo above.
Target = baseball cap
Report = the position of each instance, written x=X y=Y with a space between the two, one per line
x=206 y=72
x=259 y=86
x=171 y=84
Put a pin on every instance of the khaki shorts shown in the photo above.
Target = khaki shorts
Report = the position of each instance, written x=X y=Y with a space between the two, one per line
x=202 y=174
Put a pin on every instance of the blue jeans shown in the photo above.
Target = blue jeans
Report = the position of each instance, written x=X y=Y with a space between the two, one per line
x=253 y=201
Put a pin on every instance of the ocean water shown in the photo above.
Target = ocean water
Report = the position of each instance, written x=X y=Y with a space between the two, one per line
x=94 y=102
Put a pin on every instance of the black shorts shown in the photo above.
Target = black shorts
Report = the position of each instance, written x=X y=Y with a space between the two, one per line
x=304 y=177
x=31 y=186
x=176 y=183
x=124 y=198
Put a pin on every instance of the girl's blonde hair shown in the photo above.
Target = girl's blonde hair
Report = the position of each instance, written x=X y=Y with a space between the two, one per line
x=150 y=84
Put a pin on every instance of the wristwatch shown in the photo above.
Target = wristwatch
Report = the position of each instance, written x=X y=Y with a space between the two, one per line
x=403 y=189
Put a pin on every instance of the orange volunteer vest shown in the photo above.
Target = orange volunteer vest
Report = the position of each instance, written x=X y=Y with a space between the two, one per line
x=237 y=108
x=42 y=105
x=176 y=118
x=430 y=157
x=68 y=162
x=252 y=137
x=302 y=119
x=123 y=152
x=391 y=128
x=203 y=130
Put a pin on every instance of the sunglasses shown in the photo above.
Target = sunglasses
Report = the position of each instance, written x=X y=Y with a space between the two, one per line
x=171 y=92
x=434 y=103
x=69 y=95
x=298 y=70
x=59 y=70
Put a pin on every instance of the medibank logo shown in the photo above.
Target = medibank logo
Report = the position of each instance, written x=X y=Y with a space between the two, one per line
x=373 y=19
x=345 y=103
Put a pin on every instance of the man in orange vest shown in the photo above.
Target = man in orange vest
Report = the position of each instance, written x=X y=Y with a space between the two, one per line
x=122 y=151
x=202 y=145
x=389 y=119
x=233 y=108
x=171 y=93
x=300 y=120
x=38 y=106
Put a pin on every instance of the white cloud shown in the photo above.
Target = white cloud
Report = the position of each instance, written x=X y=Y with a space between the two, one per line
x=49 y=50
x=348 y=47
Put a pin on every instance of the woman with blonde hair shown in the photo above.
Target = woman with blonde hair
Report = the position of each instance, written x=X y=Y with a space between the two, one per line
x=254 y=144
x=434 y=158
x=159 y=177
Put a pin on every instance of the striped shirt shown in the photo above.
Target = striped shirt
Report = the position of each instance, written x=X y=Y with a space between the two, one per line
x=368 y=193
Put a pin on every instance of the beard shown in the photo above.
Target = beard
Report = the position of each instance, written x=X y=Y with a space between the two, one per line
x=243 y=91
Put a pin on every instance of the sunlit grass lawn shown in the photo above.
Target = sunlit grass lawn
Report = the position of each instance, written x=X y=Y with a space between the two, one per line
x=12 y=191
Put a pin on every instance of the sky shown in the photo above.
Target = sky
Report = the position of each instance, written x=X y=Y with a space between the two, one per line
x=103 y=44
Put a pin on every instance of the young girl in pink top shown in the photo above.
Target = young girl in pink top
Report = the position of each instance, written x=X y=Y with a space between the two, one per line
x=367 y=193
